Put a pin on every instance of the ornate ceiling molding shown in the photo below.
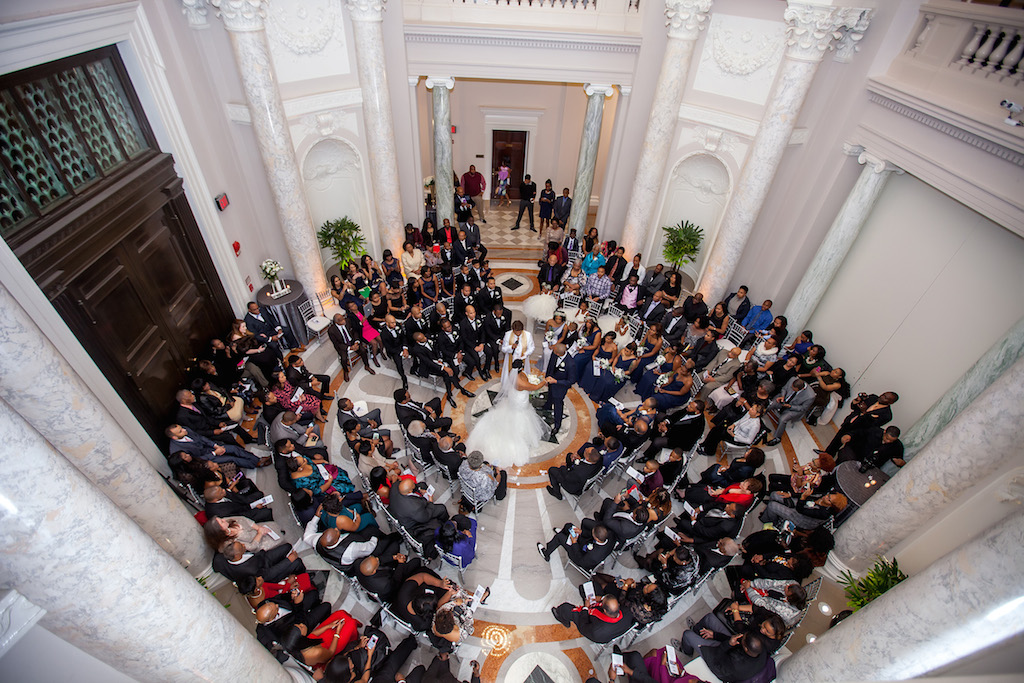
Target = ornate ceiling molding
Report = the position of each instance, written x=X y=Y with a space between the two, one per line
x=302 y=106
x=241 y=15
x=443 y=35
x=811 y=29
x=686 y=18
x=195 y=11
x=303 y=28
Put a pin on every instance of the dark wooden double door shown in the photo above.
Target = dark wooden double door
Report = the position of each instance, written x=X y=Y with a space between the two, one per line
x=130 y=275
x=509 y=146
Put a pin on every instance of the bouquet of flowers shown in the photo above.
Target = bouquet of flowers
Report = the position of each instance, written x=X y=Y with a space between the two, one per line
x=640 y=350
x=662 y=380
x=270 y=269
x=603 y=364
x=428 y=182
x=660 y=360
x=619 y=374
x=550 y=336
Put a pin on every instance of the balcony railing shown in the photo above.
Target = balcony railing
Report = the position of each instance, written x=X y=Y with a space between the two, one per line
x=570 y=4
x=606 y=16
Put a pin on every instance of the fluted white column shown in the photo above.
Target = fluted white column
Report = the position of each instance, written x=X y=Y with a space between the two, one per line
x=840 y=237
x=584 y=184
x=811 y=29
x=969 y=448
x=986 y=370
x=107 y=588
x=962 y=603
x=46 y=391
x=244 y=20
x=368 y=37
x=444 y=182
x=685 y=19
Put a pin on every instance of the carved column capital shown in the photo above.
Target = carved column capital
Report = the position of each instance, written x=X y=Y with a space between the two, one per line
x=366 y=10
x=877 y=164
x=241 y=15
x=195 y=12
x=445 y=81
x=810 y=29
x=851 y=149
x=686 y=18
x=598 y=89
x=849 y=42
x=625 y=90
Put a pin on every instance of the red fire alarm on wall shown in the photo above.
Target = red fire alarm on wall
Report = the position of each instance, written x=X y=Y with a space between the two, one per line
x=453 y=130
x=221 y=201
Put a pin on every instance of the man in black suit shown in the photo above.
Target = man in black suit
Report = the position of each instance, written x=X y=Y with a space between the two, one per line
x=343 y=339
x=449 y=344
x=489 y=296
x=448 y=454
x=527 y=193
x=467 y=276
x=559 y=375
x=191 y=416
x=345 y=550
x=272 y=565
x=681 y=430
x=601 y=623
x=550 y=275
x=223 y=503
x=652 y=310
x=710 y=524
x=496 y=324
x=704 y=351
x=262 y=322
x=437 y=316
x=429 y=413
x=298 y=375
x=590 y=548
x=694 y=307
x=574 y=475
x=462 y=252
x=730 y=658
x=419 y=516
x=464 y=297
x=198 y=446
x=416 y=322
x=369 y=422
x=560 y=210
x=621 y=518
x=392 y=336
x=715 y=554
x=673 y=326
x=429 y=362
x=383 y=576
x=277 y=615
x=471 y=331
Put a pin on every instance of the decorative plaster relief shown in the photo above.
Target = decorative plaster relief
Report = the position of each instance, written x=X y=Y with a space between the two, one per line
x=705 y=174
x=714 y=139
x=195 y=11
x=740 y=57
x=328 y=160
x=307 y=39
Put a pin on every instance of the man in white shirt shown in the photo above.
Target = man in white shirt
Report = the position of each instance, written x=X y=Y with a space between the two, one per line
x=741 y=432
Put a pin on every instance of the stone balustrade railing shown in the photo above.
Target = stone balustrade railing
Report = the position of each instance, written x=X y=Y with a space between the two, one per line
x=582 y=5
x=606 y=16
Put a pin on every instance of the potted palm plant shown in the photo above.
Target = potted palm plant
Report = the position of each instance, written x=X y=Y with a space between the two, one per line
x=682 y=243
x=343 y=237
x=883 y=576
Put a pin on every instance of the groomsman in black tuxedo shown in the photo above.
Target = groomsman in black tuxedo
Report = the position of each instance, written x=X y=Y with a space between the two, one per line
x=560 y=375
x=473 y=344
x=496 y=324
x=393 y=337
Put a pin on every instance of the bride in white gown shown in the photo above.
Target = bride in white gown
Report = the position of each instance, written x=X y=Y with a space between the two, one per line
x=509 y=432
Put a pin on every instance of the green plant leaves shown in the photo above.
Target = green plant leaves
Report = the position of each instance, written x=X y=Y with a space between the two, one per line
x=343 y=237
x=883 y=576
x=682 y=243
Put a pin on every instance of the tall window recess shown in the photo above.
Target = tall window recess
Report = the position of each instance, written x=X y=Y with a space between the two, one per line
x=65 y=129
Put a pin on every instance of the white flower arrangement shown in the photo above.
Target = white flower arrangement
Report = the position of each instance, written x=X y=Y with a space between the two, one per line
x=270 y=269
x=662 y=380
x=428 y=182
x=619 y=374
x=535 y=379
x=660 y=360
x=550 y=336
x=603 y=363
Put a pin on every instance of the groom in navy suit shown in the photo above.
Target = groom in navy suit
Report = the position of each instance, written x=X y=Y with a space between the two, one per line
x=560 y=375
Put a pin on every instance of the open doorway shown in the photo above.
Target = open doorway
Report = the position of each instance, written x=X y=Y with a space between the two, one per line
x=508 y=146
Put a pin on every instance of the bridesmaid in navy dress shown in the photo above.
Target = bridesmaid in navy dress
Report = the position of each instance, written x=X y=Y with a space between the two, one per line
x=590 y=339
x=607 y=351
x=607 y=385
x=645 y=387
x=677 y=392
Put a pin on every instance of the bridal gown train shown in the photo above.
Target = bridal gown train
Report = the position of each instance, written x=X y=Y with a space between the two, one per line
x=508 y=433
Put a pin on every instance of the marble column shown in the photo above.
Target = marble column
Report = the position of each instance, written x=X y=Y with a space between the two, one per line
x=986 y=370
x=366 y=16
x=611 y=179
x=444 y=181
x=969 y=448
x=586 y=163
x=811 y=29
x=48 y=393
x=244 y=20
x=840 y=237
x=685 y=20
x=107 y=588
x=961 y=604
x=417 y=171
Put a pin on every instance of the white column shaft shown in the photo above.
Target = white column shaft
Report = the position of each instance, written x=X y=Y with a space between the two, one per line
x=106 y=587
x=380 y=128
x=444 y=181
x=961 y=604
x=970 y=447
x=252 y=54
x=837 y=243
x=46 y=391
x=584 y=183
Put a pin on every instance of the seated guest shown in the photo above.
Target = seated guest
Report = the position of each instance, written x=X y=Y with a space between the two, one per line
x=786 y=599
x=419 y=516
x=709 y=524
x=673 y=466
x=429 y=413
x=653 y=479
x=213 y=426
x=643 y=600
x=489 y=297
x=293 y=398
x=344 y=550
x=576 y=472
x=681 y=430
x=720 y=370
x=419 y=596
x=427 y=362
x=759 y=318
x=825 y=384
x=740 y=433
x=778 y=565
x=810 y=479
x=222 y=503
x=369 y=422
x=457 y=537
x=675 y=391
x=383 y=576
x=323 y=643
x=277 y=615
x=286 y=426
x=738 y=407
x=694 y=307
x=308 y=477
x=741 y=493
x=574 y=280
x=599 y=286
x=729 y=657
x=221 y=530
x=588 y=550
x=652 y=310
x=629 y=297
x=674 y=570
x=874 y=447
x=273 y=565
x=348 y=514
x=550 y=276
x=623 y=516
x=184 y=440
x=750 y=619
x=610 y=449
x=298 y=375
x=739 y=469
x=601 y=623
x=448 y=454
x=481 y=481
x=805 y=513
